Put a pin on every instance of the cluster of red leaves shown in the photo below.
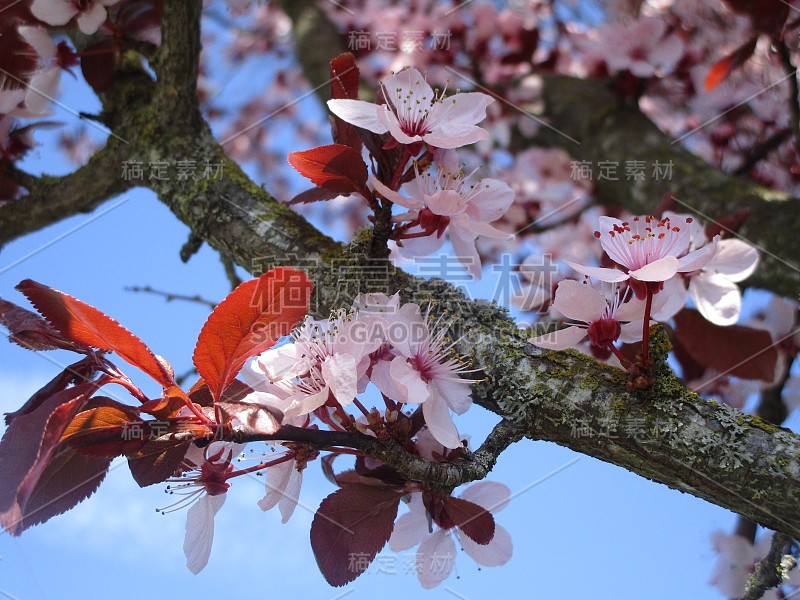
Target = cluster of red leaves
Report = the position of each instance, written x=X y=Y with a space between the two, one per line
x=58 y=446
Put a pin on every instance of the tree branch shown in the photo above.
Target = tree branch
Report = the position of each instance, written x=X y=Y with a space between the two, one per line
x=772 y=570
x=51 y=199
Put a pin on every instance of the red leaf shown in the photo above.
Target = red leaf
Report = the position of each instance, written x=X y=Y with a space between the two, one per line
x=105 y=429
x=313 y=195
x=99 y=63
x=84 y=324
x=249 y=321
x=475 y=521
x=350 y=528
x=335 y=167
x=734 y=350
x=29 y=330
x=157 y=461
x=79 y=372
x=345 y=78
x=28 y=445
x=720 y=70
x=68 y=479
x=200 y=394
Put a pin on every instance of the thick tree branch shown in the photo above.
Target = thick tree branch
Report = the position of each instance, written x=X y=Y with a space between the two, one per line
x=51 y=199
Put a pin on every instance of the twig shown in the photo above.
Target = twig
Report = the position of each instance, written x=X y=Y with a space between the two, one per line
x=230 y=270
x=772 y=570
x=170 y=296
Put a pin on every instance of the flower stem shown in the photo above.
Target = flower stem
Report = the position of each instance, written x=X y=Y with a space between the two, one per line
x=646 y=326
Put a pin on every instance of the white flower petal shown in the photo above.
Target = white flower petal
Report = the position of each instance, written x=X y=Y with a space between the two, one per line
x=495 y=553
x=561 y=339
x=717 y=298
x=457 y=394
x=601 y=273
x=200 y=531
x=411 y=527
x=440 y=423
x=53 y=12
x=490 y=495
x=659 y=270
x=359 y=113
x=408 y=380
x=699 y=258
x=291 y=494
x=436 y=557
x=579 y=301
x=735 y=259
x=341 y=376
x=276 y=480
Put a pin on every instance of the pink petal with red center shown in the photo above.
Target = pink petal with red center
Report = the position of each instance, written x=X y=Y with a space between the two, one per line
x=408 y=381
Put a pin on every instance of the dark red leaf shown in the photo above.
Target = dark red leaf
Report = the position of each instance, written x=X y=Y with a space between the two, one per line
x=345 y=79
x=475 y=521
x=99 y=63
x=29 y=330
x=28 y=445
x=68 y=479
x=350 y=528
x=84 y=324
x=734 y=350
x=157 y=461
x=727 y=224
x=720 y=70
x=313 y=195
x=335 y=167
x=79 y=372
x=249 y=321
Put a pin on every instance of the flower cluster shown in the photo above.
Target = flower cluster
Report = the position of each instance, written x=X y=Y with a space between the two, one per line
x=312 y=379
x=655 y=260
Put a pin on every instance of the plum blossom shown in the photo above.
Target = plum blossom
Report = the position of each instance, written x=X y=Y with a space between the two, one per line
x=422 y=369
x=604 y=315
x=415 y=113
x=643 y=47
x=91 y=14
x=325 y=360
x=444 y=199
x=204 y=486
x=713 y=287
x=437 y=549
x=651 y=250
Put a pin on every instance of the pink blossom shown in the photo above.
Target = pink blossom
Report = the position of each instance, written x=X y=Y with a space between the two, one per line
x=90 y=14
x=444 y=199
x=204 y=486
x=415 y=113
x=422 y=369
x=283 y=483
x=713 y=287
x=642 y=47
x=437 y=549
x=650 y=249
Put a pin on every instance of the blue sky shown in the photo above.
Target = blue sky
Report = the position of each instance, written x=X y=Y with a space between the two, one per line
x=581 y=528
